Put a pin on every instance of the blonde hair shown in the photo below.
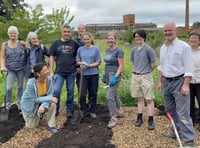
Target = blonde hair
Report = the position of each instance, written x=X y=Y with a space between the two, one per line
x=111 y=34
x=29 y=37
x=12 y=28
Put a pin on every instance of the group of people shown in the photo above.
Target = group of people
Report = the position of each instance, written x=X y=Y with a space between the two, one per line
x=179 y=81
x=25 y=61
x=74 y=58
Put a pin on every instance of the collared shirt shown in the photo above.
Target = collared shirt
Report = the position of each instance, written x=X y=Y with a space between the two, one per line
x=176 y=59
x=142 y=59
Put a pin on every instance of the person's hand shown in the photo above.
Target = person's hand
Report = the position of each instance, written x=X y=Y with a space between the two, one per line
x=41 y=110
x=113 y=80
x=78 y=70
x=159 y=86
x=3 y=69
x=103 y=78
x=52 y=75
x=185 y=90
x=54 y=100
x=84 y=65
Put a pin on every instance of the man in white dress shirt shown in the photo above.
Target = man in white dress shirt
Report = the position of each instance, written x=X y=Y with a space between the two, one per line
x=176 y=71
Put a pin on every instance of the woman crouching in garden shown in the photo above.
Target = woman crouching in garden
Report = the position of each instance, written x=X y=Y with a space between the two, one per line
x=38 y=99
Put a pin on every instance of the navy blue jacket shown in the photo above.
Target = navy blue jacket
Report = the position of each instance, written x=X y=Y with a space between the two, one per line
x=40 y=54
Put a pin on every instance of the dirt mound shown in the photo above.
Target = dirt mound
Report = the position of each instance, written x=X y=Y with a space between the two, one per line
x=10 y=127
x=91 y=133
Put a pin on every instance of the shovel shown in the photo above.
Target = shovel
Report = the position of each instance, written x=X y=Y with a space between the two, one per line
x=3 y=111
x=78 y=115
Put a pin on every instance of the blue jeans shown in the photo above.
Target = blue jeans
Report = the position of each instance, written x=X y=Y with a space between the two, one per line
x=12 y=75
x=179 y=107
x=59 y=81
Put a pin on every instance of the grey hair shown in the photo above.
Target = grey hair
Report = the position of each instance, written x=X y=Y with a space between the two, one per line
x=196 y=33
x=13 y=28
x=29 y=37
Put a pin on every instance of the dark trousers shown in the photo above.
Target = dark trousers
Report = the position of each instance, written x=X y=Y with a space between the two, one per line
x=90 y=85
x=194 y=92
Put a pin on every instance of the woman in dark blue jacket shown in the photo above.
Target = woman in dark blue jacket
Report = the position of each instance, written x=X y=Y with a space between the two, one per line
x=36 y=52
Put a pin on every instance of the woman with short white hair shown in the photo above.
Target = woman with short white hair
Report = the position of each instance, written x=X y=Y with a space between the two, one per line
x=13 y=55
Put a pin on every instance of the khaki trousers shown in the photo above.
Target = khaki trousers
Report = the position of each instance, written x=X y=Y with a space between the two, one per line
x=34 y=121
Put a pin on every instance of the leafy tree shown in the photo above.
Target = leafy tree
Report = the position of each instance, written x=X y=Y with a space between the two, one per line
x=127 y=36
x=33 y=19
x=7 y=7
x=196 y=24
x=26 y=20
x=53 y=22
x=36 y=16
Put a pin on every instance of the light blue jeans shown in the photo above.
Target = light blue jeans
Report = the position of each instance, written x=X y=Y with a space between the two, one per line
x=12 y=75
x=59 y=81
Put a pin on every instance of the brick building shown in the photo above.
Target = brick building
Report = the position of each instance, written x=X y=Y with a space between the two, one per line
x=128 y=23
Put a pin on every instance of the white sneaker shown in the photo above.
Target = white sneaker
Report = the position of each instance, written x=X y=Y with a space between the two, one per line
x=112 y=123
x=93 y=115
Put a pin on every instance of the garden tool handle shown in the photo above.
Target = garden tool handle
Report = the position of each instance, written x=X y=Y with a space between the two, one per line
x=169 y=116
x=4 y=76
x=175 y=130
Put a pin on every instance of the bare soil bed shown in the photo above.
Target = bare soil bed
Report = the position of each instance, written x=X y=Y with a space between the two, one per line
x=91 y=133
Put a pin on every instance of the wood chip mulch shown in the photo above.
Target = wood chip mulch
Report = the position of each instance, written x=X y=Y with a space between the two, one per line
x=124 y=135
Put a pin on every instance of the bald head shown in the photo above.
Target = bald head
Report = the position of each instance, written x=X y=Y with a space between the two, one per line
x=81 y=30
x=171 y=24
x=169 y=31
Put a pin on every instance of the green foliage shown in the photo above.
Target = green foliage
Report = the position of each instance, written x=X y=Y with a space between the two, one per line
x=34 y=19
x=7 y=7
x=196 y=24
x=155 y=39
x=59 y=17
x=127 y=36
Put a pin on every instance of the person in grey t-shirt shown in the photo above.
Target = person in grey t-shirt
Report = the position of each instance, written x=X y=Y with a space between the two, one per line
x=143 y=58
x=114 y=63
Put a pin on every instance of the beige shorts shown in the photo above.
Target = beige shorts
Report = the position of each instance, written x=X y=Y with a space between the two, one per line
x=142 y=86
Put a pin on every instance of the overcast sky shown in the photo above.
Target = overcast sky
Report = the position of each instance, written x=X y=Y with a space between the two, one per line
x=111 y=11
